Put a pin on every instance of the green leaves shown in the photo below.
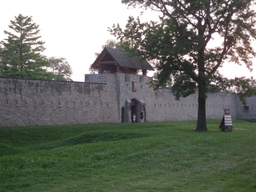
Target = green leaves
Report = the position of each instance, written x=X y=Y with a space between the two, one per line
x=21 y=54
x=183 y=86
x=181 y=40
x=60 y=68
x=245 y=87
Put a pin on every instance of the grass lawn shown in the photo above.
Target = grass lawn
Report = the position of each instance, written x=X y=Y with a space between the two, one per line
x=167 y=156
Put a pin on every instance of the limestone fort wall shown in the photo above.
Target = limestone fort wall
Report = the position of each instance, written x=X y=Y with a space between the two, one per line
x=161 y=105
x=105 y=98
x=35 y=102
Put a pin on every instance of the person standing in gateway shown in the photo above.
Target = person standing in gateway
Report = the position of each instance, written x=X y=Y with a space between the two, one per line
x=133 y=118
x=141 y=117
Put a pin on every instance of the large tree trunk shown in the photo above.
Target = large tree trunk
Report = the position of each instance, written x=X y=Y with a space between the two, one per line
x=201 y=116
x=202 y=85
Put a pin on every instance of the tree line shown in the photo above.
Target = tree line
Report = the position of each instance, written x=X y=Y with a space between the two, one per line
x=21 y=54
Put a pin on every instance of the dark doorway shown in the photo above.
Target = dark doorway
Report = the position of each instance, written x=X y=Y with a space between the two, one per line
x=122 y=114
x=134 y=110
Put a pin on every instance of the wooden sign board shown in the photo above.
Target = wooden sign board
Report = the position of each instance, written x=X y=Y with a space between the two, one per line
x=226 y=123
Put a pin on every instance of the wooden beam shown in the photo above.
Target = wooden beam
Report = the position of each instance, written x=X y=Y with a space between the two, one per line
x=108 y=62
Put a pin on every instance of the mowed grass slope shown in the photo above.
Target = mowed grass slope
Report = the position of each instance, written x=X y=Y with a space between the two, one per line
x=167 y=156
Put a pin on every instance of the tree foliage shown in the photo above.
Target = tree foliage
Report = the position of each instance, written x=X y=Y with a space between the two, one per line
x=191 y=40
x=110 y=43
x=21 y=54
x=60 y=68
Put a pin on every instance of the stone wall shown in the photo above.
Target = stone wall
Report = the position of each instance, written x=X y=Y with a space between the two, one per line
x=160 y=105
x=105 y=98
x=35 y=102
x=247 y=111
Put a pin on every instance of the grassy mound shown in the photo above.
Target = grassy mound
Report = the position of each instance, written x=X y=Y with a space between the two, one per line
x=167 y=156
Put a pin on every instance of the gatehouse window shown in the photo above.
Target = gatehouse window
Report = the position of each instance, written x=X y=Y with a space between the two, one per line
x=246 y=108
x=134 y=86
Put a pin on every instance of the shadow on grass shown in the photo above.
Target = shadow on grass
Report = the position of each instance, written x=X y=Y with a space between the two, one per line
x=249 y=120
x=92 y=137
x=9 y=150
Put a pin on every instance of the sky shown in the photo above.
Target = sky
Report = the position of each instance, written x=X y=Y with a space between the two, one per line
x=77 y=29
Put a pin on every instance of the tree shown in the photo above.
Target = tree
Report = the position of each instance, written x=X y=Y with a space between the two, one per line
x=182 y=41
x=1 y=50
x=110 y=43
x=21 y=54
x=60 y=68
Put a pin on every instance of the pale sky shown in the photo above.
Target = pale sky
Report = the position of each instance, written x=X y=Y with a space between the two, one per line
x=77 y=29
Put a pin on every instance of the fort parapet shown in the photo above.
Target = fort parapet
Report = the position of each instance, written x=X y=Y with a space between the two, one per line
x=105 y=98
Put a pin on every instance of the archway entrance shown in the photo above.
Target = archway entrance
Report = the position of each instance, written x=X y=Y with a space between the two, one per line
x=134 y=107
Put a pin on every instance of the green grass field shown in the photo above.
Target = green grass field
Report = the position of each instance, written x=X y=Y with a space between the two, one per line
x=167 y=156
